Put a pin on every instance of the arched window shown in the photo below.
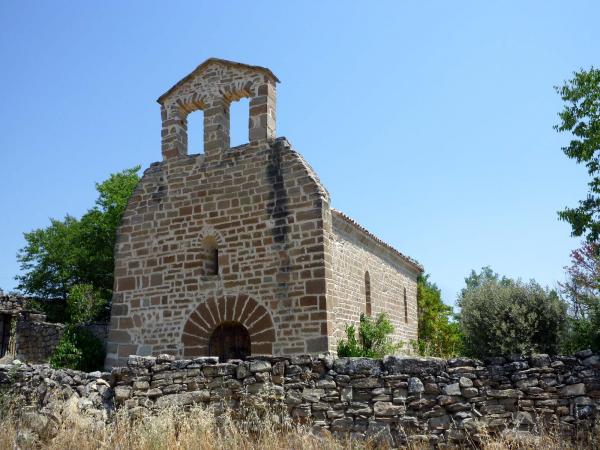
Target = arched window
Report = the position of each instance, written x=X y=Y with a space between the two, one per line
x=368 y=310
x=405 y=307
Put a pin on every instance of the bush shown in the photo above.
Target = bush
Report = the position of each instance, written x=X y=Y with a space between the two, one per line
x=78 y=349
x=500 y=316
x=439 y=333
x=373 y=338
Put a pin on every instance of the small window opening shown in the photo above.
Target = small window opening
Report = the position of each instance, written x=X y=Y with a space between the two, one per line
x=405 y=307
x=239 y=122
x=195 y=132
x=210 y=256
x=215 y=264
x=368 y=310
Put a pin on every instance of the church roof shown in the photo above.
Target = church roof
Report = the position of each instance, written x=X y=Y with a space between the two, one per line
x=413 y=262
x=224 y=62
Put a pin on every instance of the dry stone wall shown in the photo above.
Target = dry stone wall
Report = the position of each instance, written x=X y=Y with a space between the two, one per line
x=399 y=399
x=11 y=303
x=35 y=338
x=27 y=336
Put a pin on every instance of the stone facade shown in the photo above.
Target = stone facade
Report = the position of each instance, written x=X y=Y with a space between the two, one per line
x=400 y=399
x=238 y=250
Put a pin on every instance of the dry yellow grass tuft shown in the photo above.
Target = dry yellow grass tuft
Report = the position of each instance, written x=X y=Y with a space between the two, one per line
x=201 y=429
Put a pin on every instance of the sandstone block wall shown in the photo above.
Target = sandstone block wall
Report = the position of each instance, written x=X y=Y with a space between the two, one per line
x=368 y=277
x=263 y=207
x=399 y=399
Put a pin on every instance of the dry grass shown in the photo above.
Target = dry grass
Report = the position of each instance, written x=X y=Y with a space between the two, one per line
x=198 y=428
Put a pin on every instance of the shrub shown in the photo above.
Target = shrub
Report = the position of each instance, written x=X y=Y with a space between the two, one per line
x=78 y=349
x=500 y=316
x=373 y=338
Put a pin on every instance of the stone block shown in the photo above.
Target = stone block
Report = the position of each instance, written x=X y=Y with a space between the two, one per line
x=413 y=366
x=415 y=386
x=573 y=390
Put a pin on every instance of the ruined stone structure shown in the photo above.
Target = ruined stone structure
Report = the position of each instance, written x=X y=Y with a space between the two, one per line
x=400 y=400
x=24 y=333
x=237 y=251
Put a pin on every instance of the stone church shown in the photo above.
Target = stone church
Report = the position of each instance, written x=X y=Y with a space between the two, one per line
x=237 y=251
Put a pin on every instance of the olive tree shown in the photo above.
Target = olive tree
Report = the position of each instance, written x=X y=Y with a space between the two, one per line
x=501 y=316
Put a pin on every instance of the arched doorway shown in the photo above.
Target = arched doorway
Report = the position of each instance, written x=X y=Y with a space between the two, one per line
x=238 y=309
x=230 y=340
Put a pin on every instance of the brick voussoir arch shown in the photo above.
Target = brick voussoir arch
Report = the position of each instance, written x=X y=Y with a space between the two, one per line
x=239 y=308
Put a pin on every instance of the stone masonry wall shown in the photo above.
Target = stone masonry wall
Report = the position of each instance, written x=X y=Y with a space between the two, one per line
x=399 y=399
x=392 y=282
x=11 y=303
x=32 y=339
x=36 y=339
x=262 y=206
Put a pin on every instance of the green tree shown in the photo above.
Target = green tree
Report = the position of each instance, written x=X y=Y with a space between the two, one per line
x=582 y=290
x=85 y=304
x=501 y=316
x=581 y=118
x=70 y=252
x=373 y=338
x=439 y=334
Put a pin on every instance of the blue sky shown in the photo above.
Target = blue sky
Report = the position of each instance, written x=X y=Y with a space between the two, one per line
x=430 y=123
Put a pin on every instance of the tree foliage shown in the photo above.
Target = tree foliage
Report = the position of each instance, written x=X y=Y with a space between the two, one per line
x=85 y=304
x=373 y=338
x=582 y=290
x=439 y=334
x=77 y=251
x=78 y=349
x=501 y=316
x=581 y=117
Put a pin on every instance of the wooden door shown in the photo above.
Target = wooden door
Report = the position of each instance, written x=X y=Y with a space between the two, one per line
x=230 y=340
